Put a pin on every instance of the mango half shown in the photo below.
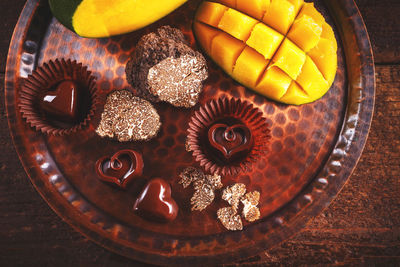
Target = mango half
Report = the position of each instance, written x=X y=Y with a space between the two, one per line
x=282 y=49
x=104 y=18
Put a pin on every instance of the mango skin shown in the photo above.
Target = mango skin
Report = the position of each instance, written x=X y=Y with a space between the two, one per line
x=292 y=60
x=104 y=18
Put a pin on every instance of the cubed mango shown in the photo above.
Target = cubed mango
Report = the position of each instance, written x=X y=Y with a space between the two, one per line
x=205 y=34
x=280 y=15
x=249 y=67
x=295 y=95
x=237 y=24
x=264 y=40
x=274 y=83
x=225 y=50
x=305 y=33
x=254 y=8
x=210 y=13
x=290 y=58
x=311 y=80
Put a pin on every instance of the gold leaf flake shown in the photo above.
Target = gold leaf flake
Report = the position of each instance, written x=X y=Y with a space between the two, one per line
x=229 y=219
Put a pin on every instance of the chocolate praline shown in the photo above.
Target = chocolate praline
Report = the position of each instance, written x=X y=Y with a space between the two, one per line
x=227 y=135
x=59 y=97
x=156 y=203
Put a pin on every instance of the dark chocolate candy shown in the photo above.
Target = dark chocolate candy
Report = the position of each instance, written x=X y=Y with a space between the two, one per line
x=155 y=202
x=121 y=168
x=62 y=102
x=230 y=141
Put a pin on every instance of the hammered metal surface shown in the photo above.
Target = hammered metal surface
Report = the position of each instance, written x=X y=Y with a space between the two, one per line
x=313 y=147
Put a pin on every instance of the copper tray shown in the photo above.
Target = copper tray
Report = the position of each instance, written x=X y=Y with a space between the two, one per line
x=314 y=148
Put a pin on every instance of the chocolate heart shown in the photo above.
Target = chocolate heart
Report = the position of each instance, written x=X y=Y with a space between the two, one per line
x=231 y=141
x=155 y=202
x=121 y=168
x=62 y=102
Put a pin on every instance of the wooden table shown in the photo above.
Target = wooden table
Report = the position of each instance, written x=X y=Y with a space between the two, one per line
x=362 y=226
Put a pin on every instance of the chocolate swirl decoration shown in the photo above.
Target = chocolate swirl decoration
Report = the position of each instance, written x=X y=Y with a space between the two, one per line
x=231 y=141
x=121 y=168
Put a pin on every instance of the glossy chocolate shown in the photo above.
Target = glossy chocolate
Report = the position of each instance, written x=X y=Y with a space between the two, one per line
x=62 y=102
x=155 y=202
x=121 y=168
x=230 y=141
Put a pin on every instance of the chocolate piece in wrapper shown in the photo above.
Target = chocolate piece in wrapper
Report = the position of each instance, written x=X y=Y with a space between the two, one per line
x=250 y=201
x=227 y=135
x=59 y=97
x=128 y=118
x=230 y=219
x=232 y=194
x=164 y=68
x=204 y=186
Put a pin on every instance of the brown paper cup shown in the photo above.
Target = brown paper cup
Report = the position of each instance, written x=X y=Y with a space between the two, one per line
x=43 y=80
x=227 y=135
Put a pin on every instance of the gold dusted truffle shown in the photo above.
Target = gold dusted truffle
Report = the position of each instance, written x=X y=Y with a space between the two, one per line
x=128 y=118
x=178 y=81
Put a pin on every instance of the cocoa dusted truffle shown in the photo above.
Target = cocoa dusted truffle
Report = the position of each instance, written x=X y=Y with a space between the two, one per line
x=164 y=68
x=128 y=118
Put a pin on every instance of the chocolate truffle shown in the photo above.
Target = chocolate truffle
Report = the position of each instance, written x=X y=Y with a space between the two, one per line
x=164 y=68
x=128 y=118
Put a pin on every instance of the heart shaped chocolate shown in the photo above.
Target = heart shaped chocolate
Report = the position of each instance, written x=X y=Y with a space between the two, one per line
x=121 y=168
x=231 y=141
x=62 y=102
x=155 y=202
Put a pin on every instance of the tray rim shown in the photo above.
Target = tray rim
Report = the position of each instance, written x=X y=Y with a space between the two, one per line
x=346 y=142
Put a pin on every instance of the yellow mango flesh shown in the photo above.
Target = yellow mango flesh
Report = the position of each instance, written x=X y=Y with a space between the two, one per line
x=249 y=67
x=102 y=18
x=205 y=34
x=264 y=40
x=305 y=33
x=311 y=80
x=274 y=83
x=237 y=24
x=210 y=13
x=280 y=15
x=324 y=56
x=294 y=69
x=225 y=50
x=290 y=58
x=295 y=95
x=253 y=8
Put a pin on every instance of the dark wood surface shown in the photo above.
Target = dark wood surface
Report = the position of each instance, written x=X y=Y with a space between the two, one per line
x=360 y=227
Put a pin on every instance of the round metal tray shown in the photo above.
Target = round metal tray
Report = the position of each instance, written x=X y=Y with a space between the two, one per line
x=314 y=148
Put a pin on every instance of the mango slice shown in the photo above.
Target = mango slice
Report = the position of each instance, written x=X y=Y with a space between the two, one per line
x=290 y=58
x=280 y=15
x=225 y=50
x=311 y=80
x=249 y=67
x=282 y=49
x=305 y=33
x=210 y=13
x=236 y=24
x=253 y=8
x=104 y=18
x=264 y=40
x=295 y=95
x=274 y=83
